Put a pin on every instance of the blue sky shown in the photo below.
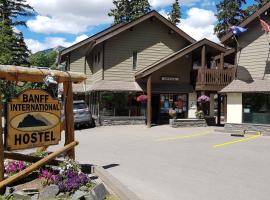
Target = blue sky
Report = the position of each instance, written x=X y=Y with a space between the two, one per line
x=65 y=22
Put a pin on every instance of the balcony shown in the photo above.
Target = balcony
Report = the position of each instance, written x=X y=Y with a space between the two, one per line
x=214 y=79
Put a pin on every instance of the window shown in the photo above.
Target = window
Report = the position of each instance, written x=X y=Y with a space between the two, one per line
x=120 y=104
x=135 y=60
x=256 y=108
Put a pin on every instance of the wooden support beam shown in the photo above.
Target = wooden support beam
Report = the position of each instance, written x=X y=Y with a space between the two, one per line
x=37 y=165
x=225 y=107
x=221 y=65
x=149 y=101
x=27 y=158
x=69 y=118
x=203 y=56
x=219 y=110
x=2 y=168
x=26 y=74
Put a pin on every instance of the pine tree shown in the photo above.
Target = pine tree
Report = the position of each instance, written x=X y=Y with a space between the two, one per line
x=175 y=14
x=13 y=48
x=257 y=5
x=14 y=10
x=20 y=52
x=129 y=10
x=138 y=8
x=229 y=12
x=7 y=41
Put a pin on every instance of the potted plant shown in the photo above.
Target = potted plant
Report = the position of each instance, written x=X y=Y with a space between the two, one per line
x=203 y=101
x=172 y=114
x=199 y=114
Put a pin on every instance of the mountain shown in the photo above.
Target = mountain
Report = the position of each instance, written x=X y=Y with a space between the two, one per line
x=56 y=49
x=31 y=121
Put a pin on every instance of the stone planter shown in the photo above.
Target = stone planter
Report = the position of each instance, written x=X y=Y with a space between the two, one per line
x=177 y=123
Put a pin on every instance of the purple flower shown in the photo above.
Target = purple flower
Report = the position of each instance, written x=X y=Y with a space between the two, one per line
x=203 y=98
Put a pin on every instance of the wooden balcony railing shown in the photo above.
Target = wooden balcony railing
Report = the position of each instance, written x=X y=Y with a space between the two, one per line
x=215 y=77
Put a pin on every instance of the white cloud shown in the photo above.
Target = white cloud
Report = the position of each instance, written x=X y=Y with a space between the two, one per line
x=51 y=42
x=163 y=3
x=68 y=16
x=199 y=24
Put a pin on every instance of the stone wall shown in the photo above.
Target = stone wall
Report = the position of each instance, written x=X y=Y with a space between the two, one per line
x=110 y=121
x=176 y=123
x=264 y=128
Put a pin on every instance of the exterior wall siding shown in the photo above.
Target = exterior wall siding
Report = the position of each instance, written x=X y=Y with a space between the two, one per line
x=253 y=58
x=150 y=39
x=234 y=108
x=79 y=63
x=180 y=68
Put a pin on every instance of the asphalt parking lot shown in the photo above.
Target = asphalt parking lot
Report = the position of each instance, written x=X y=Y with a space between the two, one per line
x=163 y=163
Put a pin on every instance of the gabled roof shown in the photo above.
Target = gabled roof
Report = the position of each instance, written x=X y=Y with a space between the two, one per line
x=119 y=28
x=174 y=56
x=247 y=21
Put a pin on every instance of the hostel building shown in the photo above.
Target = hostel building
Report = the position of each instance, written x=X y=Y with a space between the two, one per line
x=149 y=56
x=249 y=95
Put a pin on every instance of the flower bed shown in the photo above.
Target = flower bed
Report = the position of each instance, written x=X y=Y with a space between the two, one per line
x=66 y=181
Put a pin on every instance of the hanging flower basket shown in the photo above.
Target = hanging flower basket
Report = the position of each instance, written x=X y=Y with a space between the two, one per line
x=142 y=98
x=203 y=99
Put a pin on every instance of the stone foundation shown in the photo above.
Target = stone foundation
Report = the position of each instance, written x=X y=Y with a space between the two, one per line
x=111 y=121
x=176 y=123
x=264 y=128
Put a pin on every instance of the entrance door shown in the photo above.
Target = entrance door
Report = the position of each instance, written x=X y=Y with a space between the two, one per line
x=155 y=109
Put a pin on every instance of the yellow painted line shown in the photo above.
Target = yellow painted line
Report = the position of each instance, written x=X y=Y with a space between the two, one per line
x=182 y=137
x=237 y=141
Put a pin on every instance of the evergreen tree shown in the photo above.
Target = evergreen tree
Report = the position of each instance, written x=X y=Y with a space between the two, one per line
x=175 y=14
x=21 y=52
x=229 y=12
x=258 y=4
x=138 y=8
x=43 y=59
x=13 y=48
x=7 y=42
x=129 y=10
x=14 y=10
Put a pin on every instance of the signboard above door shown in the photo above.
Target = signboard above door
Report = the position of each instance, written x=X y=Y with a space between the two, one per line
x=169 y=78
x=33 y=120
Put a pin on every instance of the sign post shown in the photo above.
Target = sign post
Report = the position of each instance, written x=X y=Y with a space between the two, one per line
x=2 y=168
x=33 y=120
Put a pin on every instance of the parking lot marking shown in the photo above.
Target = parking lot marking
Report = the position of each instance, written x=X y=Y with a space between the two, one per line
x=182 y=137
x=237 y=141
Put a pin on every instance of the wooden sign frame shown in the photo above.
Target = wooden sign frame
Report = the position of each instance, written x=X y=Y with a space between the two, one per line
x=35 y=75
x=34 y=106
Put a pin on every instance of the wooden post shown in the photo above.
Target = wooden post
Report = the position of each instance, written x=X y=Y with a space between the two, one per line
x=69 y=118
x=203 y=57
x=225 y=107
x=2 y=168
x=219 y=110
x=221 y=61
x=149 y=101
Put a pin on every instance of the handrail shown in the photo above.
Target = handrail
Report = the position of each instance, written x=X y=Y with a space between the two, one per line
x=219 y=77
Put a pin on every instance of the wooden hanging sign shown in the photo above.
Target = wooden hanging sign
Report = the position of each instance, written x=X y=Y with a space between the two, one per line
x=34 y=120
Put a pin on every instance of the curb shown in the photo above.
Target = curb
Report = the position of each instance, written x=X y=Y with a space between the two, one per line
x=114 y=184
